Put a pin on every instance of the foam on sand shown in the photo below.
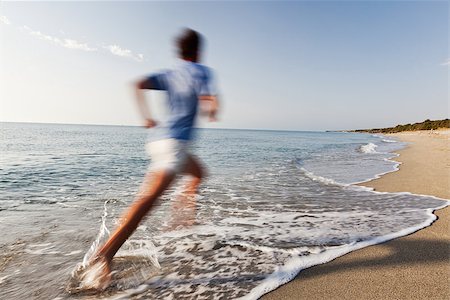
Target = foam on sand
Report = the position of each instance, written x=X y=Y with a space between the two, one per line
x=292 y=267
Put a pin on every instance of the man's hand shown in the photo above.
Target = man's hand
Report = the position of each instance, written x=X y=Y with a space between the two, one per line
x=149 y=123
x=139 y=86
x=212 y=114
x=213 y=106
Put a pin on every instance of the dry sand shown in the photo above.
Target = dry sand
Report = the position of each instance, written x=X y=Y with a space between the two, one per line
x=416 y=266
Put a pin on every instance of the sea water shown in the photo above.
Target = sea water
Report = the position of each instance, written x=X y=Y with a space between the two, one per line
x=274 y=203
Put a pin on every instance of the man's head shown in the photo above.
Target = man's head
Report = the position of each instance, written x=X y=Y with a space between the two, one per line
x=189 y=43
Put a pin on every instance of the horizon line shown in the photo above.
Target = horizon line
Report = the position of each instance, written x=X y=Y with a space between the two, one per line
x=250 y=129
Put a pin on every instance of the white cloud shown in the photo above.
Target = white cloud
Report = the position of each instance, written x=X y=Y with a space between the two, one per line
x=66 y=43
x=73 y=44
x=44 y=37
x=117 y=50
x=447 y=63
x=4 y=20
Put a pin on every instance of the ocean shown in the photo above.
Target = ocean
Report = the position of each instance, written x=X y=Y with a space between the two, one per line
x=274 y=203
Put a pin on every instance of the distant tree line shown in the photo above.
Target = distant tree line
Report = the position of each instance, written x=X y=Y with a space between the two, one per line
x=425 y=125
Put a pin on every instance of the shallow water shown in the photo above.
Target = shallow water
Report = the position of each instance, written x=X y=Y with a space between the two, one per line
x=274 y=203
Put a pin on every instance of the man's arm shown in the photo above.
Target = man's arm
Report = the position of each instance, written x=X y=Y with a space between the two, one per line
x=213 y=106
x=139 y=88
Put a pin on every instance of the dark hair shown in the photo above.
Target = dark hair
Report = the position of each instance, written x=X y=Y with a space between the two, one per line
x=189 y=43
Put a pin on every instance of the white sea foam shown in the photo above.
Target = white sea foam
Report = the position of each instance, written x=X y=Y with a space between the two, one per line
x=368 y=148
x=296 y=264
x=389 y=141
x=73 y=252
x=41 y=249
x=140 y=248
x=321 y=179
x=393 y=168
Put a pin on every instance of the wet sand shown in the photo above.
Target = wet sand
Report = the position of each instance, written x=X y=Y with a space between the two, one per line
x=416 y=266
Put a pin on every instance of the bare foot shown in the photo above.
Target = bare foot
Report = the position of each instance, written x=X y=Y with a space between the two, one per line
x=97 y=275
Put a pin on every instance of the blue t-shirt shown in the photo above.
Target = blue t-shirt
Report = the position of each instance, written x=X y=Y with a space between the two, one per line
x=183 y=84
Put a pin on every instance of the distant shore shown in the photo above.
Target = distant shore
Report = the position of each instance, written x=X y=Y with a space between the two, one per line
x=416 y=266
x=421 y=126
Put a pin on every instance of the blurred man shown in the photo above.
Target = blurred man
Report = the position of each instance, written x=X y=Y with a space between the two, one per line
x=187 y=84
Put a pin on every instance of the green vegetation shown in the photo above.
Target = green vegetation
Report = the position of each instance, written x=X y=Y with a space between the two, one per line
x=425 y=125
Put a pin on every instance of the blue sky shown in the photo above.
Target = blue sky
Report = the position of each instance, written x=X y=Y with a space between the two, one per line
x=279 y=65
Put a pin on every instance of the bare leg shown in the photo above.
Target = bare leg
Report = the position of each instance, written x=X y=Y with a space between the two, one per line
x=194 y=168
x=153 y=186
x=184 y=206
x=183 y=213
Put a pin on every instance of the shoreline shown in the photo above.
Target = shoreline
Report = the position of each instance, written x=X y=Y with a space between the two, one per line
x=414 y=266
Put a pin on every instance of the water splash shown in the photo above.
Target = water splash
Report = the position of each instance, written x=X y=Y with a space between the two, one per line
x=103 y=234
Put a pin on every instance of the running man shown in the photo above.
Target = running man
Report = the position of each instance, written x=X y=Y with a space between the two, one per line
x=187 y=84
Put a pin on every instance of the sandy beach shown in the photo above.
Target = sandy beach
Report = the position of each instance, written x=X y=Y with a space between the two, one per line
x=416 y=266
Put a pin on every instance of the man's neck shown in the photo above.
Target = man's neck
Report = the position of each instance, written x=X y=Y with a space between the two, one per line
x=190 y=59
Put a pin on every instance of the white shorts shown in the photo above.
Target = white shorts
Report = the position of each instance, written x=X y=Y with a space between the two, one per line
x=168 y=154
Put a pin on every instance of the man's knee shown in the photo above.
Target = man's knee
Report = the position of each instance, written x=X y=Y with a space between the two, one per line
x=195 y=169
x=155 y=184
